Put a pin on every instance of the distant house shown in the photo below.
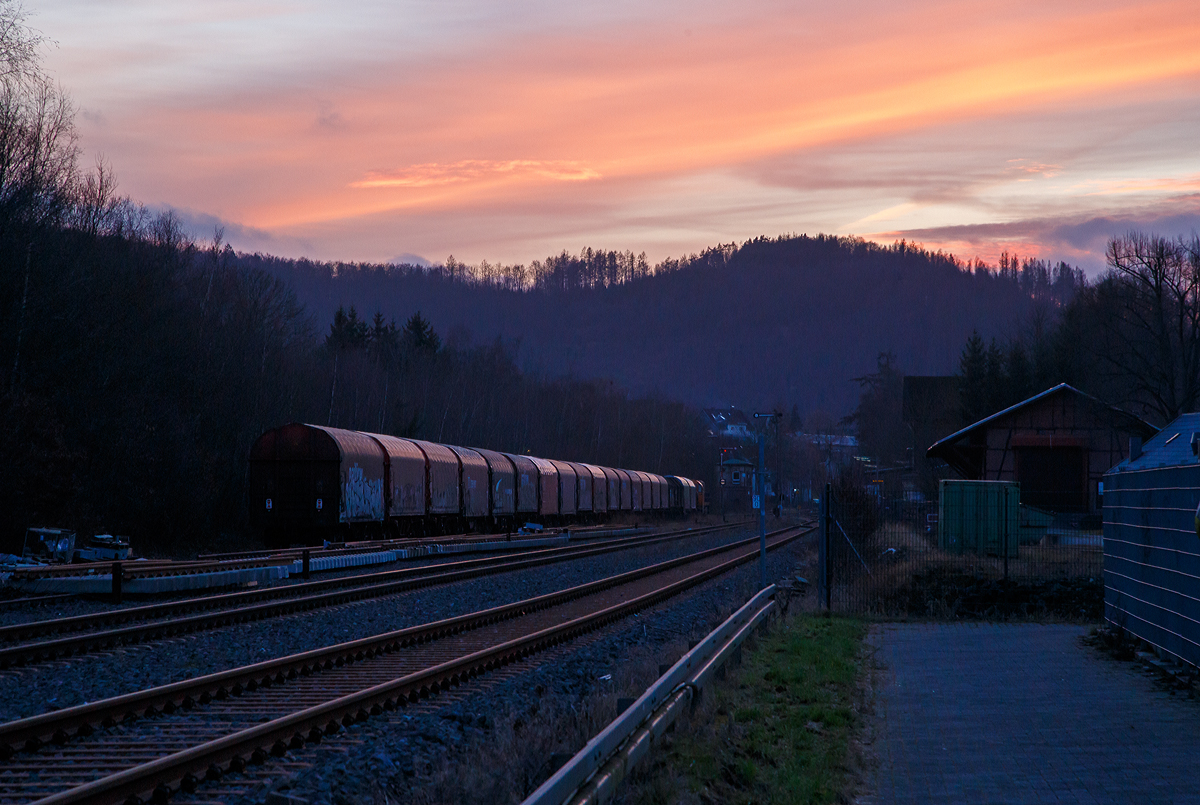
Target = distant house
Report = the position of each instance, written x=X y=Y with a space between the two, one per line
x=1057 y=445
x=729 y=423
x=836 y=449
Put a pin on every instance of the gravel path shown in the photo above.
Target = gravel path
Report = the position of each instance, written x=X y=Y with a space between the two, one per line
x=54 y=685
x=1024 y=712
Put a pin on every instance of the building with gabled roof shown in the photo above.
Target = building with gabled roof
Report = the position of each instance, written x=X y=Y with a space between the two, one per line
x=1057 y=445
x=1150 y=559
x=729 y=423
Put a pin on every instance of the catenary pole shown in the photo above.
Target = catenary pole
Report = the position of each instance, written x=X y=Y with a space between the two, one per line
x=762 y=510
x=760 y=492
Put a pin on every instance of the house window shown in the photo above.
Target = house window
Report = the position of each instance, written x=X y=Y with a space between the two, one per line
x=737 y=478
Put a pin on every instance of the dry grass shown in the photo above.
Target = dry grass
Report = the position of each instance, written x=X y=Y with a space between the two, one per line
x=906 y=573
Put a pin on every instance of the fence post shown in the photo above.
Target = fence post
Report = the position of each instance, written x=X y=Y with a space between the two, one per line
x=823 y=549
x=1006 y=527
x=306 y=564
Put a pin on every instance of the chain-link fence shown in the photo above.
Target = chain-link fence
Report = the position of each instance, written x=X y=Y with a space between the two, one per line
x=975 y=552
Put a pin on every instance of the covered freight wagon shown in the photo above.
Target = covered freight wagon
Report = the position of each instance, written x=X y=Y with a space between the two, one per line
x=526 y=483
x=568 y=488
x=473 y=483
x=599 y=489
x=443 y=488
x=625 y=490
x=547 y=487
x=306 y=478
x=501 y=484
x=583 y=487
x=406 y=474
x=612 y=483
x=660 y=491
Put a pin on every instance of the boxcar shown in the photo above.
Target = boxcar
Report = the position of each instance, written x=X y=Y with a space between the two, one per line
x=689 y=494
x=624 y=490
x=612 y=484
x=442 y=490
x=583 y=487
x=635 y=490
x=306 y=478
x=526 y=483
x=659 y=490
x=547 y=487
x=675 y=492
x=599 y=489
x=407 y=475
x=473 y=483
x=502 y=479
x=568 y=486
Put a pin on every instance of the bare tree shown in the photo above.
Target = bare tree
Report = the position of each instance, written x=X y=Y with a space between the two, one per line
x=38 y=143
x=1153 y=324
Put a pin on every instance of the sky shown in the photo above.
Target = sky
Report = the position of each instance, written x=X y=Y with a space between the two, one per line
x=381 y=130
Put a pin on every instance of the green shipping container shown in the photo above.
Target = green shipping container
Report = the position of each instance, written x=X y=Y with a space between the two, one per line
x=979 y=517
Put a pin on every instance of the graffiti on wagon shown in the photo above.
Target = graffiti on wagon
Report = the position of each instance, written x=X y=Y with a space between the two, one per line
x=362 y=498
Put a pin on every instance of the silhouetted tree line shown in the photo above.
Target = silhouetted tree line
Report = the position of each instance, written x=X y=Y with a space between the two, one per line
x=1131 y=337
x=402 y=380
x=769 y=323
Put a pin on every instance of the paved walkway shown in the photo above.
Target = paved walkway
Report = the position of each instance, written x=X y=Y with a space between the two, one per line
x=1023 y=713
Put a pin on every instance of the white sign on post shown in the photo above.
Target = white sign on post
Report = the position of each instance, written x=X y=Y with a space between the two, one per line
x=757 y=502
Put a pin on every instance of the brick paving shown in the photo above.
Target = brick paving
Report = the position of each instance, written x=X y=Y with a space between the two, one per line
x=1024 y=713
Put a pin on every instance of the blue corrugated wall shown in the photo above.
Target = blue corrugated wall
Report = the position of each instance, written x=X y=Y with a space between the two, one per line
x=1152 y=556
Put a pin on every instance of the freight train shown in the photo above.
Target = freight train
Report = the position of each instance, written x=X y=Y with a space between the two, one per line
x=309 y=483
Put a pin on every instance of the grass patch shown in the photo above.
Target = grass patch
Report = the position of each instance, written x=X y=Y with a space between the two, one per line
x=777 y=730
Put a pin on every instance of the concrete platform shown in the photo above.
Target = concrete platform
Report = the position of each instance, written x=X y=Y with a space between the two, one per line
x=101 y=583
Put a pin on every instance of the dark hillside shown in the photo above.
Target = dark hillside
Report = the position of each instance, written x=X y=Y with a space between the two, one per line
x=773 y=322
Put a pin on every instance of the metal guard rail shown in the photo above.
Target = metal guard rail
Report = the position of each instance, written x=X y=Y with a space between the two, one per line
x=592 y=775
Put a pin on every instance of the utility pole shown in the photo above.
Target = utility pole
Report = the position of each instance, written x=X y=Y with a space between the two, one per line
x=760 y=501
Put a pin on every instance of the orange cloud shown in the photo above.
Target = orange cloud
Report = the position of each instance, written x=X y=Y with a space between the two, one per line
x=473 y=170
x=1160 y=184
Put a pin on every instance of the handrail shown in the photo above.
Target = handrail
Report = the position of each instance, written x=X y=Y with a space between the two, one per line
x=594 y=772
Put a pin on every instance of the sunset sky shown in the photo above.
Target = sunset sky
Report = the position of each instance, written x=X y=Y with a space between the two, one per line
x=510 y=131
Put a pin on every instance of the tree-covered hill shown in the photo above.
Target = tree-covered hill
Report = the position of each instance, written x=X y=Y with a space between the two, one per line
x=773 y=322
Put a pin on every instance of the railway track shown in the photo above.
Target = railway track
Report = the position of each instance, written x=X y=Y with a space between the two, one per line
x=43 y=640
x=155 y=743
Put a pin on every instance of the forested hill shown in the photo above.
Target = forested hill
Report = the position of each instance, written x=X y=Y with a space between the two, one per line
x=773 y=322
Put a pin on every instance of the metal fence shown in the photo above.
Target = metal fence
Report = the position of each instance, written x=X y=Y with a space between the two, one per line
x=975 y=552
